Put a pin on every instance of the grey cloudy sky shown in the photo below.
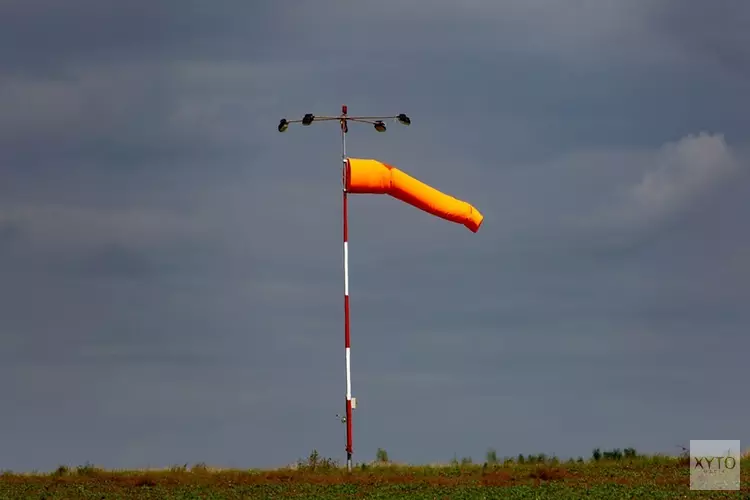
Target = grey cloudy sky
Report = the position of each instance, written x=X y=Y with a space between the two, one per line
x=171 y=265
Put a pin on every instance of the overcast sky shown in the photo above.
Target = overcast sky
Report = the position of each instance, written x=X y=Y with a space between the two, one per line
x=171 y=266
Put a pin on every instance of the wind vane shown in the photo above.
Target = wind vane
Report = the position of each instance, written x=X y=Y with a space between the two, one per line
x=369 y=176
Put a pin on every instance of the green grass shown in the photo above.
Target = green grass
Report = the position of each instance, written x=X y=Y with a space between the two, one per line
x=529 y=477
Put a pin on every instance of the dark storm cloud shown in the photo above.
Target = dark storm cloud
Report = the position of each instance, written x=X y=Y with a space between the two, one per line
x=713 y=32
x=172 y=265
x=46 y=36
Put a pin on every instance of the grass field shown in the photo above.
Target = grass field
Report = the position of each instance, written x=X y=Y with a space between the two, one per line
x=530 y=477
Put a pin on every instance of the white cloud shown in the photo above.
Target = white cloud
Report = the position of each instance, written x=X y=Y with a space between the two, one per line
x=681 y=172
x=644 y=188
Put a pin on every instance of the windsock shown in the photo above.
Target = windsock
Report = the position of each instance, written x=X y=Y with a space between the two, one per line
x=367 y=176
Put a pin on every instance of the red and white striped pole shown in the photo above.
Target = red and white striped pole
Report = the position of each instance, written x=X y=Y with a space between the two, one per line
x=344 y=118
x=347 y=335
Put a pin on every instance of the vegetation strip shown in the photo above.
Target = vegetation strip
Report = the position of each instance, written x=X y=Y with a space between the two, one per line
x=607 y=476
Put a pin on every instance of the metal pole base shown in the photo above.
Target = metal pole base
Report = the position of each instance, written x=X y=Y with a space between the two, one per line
x=349 y=462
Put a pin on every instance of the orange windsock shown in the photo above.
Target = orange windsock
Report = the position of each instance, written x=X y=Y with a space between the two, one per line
x=366 y=176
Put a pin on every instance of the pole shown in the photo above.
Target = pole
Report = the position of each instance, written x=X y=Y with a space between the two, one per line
x=344 y=118
x=347 y=336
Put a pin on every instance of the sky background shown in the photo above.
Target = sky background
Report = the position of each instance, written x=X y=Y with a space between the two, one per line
x=171 y=265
